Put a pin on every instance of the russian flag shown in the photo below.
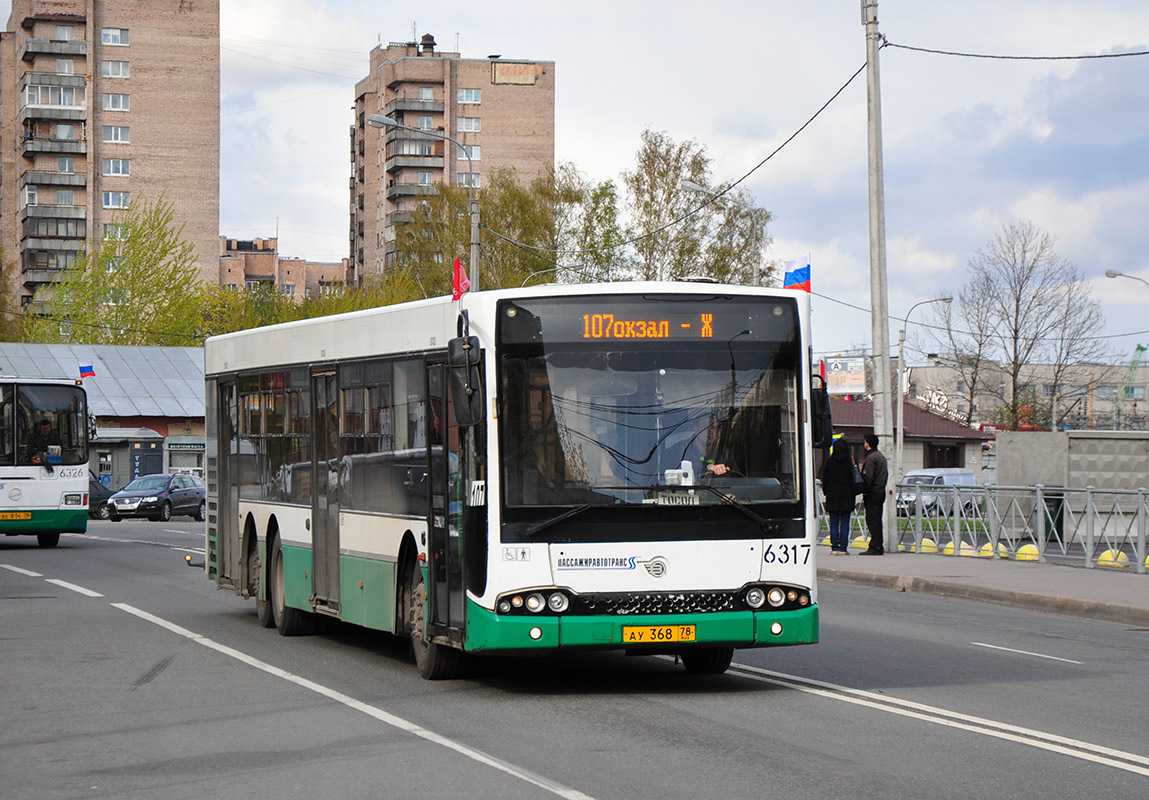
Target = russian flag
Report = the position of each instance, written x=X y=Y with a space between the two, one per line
x=86 y=371
x=797 y=274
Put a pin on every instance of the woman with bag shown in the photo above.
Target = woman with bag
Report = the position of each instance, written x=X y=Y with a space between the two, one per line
x=840 y=490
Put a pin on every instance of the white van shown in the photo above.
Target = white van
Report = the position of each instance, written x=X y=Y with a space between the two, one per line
x=935 y=497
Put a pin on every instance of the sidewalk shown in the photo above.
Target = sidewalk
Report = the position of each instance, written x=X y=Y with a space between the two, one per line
x=1113 y=595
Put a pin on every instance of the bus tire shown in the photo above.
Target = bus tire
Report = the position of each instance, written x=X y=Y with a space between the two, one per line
x=435 y=662
x=707 y=660
x=47 y=539
x=262 y=607
x=288 y=621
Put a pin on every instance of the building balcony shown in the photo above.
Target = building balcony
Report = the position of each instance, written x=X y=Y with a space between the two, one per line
x=30 y=146
x=54 y=244
x=30 y=48
x=53 y=79
x=408 y=189
x=38 y=275
x=417 y=162
x=419 y=106
x=37 y=211
x=54 y=113
x=54 y=179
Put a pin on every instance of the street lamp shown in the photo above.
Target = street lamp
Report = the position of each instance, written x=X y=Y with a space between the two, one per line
x=380 y=121
x=899 y=463
x=691 y=186
x=1112 y=273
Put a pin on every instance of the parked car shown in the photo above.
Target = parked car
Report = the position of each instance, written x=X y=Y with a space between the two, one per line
x=158 y=497
x=98 y=495
x=937 y=497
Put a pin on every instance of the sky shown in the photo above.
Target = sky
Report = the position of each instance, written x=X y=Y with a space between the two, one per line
x=969 y=144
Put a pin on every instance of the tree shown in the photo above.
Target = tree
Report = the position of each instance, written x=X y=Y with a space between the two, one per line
x=11 y=320
x=679 y=234
x=139 y=285
x=520 y=242
x=1025 y=311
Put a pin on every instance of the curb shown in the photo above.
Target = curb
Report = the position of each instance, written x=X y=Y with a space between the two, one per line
x=1070 y=606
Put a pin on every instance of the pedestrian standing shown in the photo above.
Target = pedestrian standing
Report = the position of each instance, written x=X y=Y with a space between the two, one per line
x=837 y=476
x=875 y=473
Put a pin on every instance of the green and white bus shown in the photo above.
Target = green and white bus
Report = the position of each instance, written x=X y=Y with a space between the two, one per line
x=43 y=458
x=612 y=466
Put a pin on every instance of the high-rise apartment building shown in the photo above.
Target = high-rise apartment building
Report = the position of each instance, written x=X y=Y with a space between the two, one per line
x=501 y=110
x=103 y=102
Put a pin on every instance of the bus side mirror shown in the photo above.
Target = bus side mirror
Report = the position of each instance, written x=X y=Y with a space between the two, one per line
x=821 y=424
x=466 y=385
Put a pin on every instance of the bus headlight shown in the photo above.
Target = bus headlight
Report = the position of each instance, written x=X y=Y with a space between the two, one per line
x=775 y=597
x=755 y=597
x=558 y=602
x=535 y=602
x=73 y=500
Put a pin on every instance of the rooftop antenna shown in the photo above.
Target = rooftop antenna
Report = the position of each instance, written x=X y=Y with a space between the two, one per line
x=414 y=38
x=456 y=41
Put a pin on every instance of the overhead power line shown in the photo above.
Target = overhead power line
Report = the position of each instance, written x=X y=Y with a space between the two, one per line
x=1015 y=58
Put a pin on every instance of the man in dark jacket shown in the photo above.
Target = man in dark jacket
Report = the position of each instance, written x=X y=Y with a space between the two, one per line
x=875 y=473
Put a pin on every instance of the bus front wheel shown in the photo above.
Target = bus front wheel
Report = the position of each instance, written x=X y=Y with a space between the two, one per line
x=436 y=662
x=707 y=660
x=47 y=539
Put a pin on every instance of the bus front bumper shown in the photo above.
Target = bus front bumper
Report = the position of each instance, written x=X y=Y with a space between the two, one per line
x=490 y=632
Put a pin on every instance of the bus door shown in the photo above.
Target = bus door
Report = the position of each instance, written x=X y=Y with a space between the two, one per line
x=325 y=473
x=226 y=483
x=444 y=551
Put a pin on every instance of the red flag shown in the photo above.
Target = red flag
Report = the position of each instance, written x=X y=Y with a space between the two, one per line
x=822 y=369
x=461 y=283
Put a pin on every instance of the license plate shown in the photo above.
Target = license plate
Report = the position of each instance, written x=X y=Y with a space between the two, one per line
x=653 y=634
x=16 y=515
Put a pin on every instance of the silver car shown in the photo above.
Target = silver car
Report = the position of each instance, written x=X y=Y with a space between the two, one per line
x=938 y=489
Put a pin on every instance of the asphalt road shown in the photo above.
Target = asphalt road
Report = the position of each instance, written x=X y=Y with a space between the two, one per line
x=123 y=673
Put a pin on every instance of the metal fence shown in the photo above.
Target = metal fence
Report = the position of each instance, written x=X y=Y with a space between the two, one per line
x=1083 y=527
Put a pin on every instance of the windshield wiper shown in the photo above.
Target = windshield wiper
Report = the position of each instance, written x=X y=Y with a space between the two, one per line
x=546 y=523
x=764 y=524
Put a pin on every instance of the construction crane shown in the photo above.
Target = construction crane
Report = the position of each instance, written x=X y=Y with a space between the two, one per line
x=1130 y=377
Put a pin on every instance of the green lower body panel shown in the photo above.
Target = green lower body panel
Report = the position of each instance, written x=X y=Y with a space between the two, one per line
x=490 y=632
x=297 y=577
x=68 y=520
x=367 y=592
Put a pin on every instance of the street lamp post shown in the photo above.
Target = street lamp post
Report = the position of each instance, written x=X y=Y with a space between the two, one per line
x=899 y=462
x=1112 y=273
x=380 y=121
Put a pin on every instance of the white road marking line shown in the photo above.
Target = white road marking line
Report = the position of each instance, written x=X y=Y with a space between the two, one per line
x=1025 y=653
x=73 y=587
x=27 y=572
x=180 y=548
x=369 y=710
x=1119 y=759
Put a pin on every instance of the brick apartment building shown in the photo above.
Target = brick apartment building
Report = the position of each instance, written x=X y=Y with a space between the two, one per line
x=251 y=264
x=102 y=102
x=502 y=110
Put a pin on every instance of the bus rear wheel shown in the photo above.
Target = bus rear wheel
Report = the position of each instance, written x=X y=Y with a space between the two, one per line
x=288 y=621
x=435 y=662
x=262 y=606
x=47 y=539
x=707 y=660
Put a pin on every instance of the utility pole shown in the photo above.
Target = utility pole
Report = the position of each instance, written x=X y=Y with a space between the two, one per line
x=879 y=302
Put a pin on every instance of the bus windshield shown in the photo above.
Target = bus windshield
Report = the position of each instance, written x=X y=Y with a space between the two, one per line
x=695 y=404
x=43 y=424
